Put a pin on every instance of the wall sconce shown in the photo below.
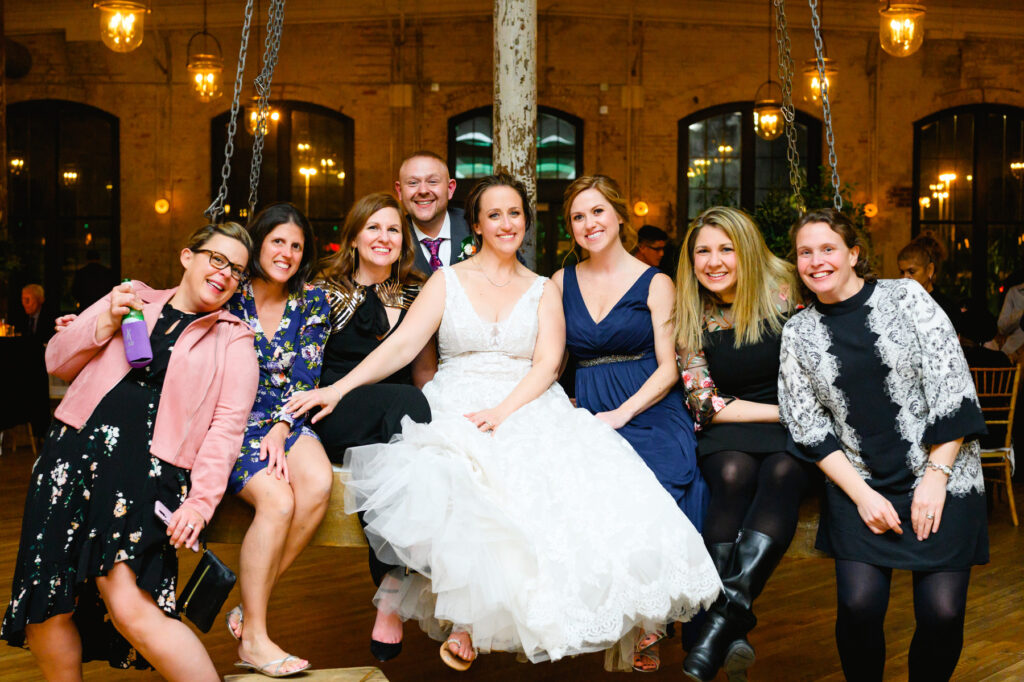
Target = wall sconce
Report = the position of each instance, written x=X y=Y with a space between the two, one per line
x=901 y=28
x=17 y=165
x=870 y=210
x=69 y=177
x=641 y=208
x=122 y=23
x=1016 y=169
x=812 y=88
x=162 y=206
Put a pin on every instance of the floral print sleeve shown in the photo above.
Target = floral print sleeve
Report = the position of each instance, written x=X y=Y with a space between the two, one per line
x=702 y=396
x=303 y=351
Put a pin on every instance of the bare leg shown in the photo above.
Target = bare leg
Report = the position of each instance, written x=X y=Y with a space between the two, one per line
x=387 y=628
x=311 y=476
x=57 y=648
x=273 y=502
x=168 y=644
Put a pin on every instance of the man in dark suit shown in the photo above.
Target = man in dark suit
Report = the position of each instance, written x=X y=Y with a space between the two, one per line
x=424 y=187
x=35 y=320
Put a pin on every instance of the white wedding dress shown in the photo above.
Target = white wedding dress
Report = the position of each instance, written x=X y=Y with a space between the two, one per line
x=550 y=537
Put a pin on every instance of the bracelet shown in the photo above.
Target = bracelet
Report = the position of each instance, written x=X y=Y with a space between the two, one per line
x=340 y=396
x=939 y=467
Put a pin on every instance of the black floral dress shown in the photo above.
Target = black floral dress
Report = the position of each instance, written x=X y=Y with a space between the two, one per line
x=91 y=504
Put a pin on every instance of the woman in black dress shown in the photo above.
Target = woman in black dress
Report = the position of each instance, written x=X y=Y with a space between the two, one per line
x=873 y=387
x=370 y=284
x=920 y=261
x=94 y=556
x=733 y=297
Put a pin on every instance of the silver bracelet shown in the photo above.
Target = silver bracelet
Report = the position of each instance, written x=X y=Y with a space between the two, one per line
x=939 y=467
x=331 y=386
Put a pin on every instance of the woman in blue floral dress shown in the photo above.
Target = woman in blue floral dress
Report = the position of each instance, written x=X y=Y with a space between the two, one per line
x=282 y=470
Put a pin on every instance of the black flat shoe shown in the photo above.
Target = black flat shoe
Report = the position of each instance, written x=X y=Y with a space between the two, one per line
x=383 y=651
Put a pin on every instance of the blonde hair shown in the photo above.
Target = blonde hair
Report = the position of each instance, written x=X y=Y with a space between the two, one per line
x=611 y=191
x=763 y=280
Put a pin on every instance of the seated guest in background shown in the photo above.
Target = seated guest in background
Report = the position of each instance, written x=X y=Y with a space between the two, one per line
x=920 y=261
x=36 y=318
x=734 y=296
x=874 y=388
x=370 y=284
x=424 y=188
x=650 y=245
x=978 y=328
x=92 y=281
x=1011 y=322
x=93 y=555
x=282 y=470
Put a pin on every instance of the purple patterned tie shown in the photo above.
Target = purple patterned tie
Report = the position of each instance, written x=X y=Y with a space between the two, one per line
x=434 y=245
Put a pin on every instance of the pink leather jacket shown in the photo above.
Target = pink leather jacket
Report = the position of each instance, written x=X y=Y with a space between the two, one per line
x=206 y=398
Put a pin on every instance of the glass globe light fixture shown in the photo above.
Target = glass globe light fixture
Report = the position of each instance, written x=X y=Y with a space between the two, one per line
x=122 y=23
x=901 y=28
x=252 y=116
x=812 y=87
x=205 y=67
x=768 y=120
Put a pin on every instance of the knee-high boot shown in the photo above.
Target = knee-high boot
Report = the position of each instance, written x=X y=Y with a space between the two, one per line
x=753 y=559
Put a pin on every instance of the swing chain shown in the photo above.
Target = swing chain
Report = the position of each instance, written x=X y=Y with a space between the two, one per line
x=272 y=44
x=216 y=209
x=788 y=112
x=826 y=108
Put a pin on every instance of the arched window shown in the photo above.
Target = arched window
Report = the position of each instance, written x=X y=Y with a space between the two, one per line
x=971 y=195
x=722 y=161
x=307 y=160
x=63 y=194
x=559 y=162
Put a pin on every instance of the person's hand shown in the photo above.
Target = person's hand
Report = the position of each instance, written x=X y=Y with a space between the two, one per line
x=62 y=322
x=272 y=450
x=486 y=420
x=878 y=513
x=929 y=499
x=122 y=300
x=613 y=418
x=184 y=527
x=303 y=401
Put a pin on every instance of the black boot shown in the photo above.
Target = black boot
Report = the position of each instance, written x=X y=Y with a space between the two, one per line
x=739 y=655
x=753 y=559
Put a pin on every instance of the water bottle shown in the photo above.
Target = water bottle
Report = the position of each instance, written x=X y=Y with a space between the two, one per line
x=136 y=338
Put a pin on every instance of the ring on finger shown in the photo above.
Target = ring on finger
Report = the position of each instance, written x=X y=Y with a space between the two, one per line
x=190 y=526
x=929 y=516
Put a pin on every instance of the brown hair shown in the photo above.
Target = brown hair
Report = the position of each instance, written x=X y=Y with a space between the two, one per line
x=926 y=250
x=841 y=224
x=264 y=222
x=198 y=239
x=611 y=191
x=482 y=185
x=340 y=268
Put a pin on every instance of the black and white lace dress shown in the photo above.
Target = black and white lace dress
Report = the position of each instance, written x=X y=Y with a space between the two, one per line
x=881 y=377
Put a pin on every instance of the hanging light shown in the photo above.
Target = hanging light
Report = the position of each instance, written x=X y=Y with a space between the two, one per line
x=1016 y=169
x=901 y=28
x=812 y=87
x=205 y=64
x=768 y=121
x=252 y=116
x=122 y=23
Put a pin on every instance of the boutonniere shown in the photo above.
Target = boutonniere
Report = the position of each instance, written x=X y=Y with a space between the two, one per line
x=467 y=248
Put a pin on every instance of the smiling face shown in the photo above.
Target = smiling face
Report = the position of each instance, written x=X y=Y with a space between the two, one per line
x=594 y=222
x=912 y=268
x=826 y=263
x=424 y=189
x=281 y=252
x=715 y=263
x=501 y=220
x=379 y=243
x=205 y=288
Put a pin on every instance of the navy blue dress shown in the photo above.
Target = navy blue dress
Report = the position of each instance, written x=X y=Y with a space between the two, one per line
x=663 y=433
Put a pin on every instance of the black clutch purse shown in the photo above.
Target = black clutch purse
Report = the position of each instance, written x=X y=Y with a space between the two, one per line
x=206 y=591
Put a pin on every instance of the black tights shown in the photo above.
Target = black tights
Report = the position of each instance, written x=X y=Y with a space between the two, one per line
x=940 y=600
x=757 y=493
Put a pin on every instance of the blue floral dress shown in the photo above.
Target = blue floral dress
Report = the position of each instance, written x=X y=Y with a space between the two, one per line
x=289 y=360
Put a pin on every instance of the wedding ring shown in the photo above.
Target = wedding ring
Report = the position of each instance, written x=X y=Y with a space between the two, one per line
x=190 y=526
x=929 y=516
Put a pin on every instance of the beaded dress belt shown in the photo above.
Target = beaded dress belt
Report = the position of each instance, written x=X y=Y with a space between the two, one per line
x=608 y=359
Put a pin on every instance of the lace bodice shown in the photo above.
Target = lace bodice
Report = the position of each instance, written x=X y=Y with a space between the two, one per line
x=500 y=346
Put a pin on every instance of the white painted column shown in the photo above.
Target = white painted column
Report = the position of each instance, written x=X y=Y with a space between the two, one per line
x=515 y=100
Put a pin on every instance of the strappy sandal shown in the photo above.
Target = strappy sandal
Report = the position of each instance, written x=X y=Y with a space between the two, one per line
x=452 y=659
x=273 y=668
x=646 y=658
x=241 y=619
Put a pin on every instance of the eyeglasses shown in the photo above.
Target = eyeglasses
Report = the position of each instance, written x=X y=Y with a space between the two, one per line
x=220 y=261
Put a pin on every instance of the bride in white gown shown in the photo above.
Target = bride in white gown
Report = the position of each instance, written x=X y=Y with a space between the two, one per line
x=531 y=525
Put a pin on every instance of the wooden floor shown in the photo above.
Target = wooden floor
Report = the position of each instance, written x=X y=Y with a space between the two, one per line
x=322 y=611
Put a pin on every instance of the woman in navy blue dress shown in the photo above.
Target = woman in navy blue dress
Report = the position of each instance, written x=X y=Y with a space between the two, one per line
x=618 y=317
x=282 y=470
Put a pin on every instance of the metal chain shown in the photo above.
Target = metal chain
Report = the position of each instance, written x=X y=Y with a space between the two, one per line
x=788 y=111
x=819 y=52
x=275 y=22
x=216 y=209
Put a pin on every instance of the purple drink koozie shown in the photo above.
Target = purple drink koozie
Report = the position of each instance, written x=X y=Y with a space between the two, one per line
x=136 y=340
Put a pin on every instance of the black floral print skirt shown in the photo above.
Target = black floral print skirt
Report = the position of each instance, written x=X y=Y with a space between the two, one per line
x=90 y=505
